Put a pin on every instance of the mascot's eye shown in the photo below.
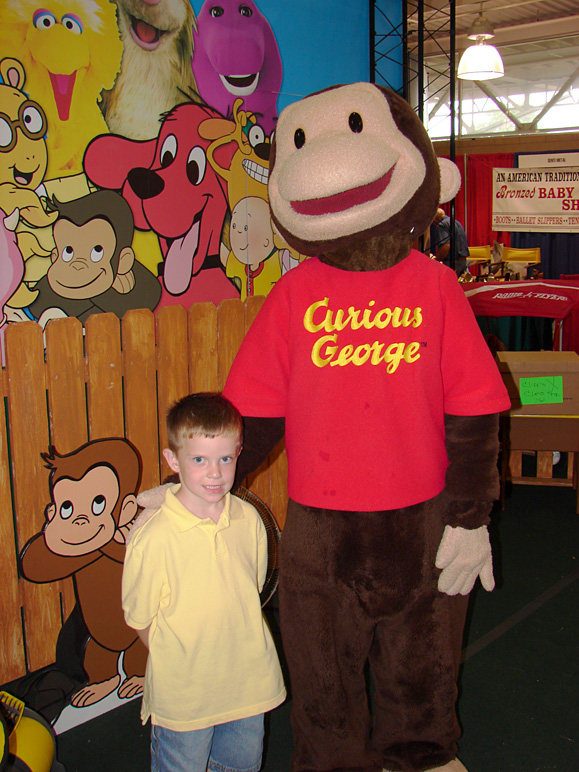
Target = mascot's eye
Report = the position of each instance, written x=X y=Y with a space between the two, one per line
x=5 y=133
x=66 y=510
x=196 y=164
x=256 y=136
x=216 y=11
x=97 y=253
x=72 y=23
x=43 y=20
x=98 y=504
x=299 y=138
x=33 y=120
x=355 y=121
x=67 y=254
x=168 y=150
x=245 y=10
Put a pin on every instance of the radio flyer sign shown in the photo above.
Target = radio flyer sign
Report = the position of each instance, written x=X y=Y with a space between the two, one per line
x=537 y=200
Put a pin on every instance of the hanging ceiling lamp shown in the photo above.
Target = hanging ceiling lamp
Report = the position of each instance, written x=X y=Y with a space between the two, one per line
x=481 y=61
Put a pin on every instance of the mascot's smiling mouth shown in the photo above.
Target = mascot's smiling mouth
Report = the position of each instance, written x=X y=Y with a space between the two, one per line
x=255 y=171
x=62 y=88
x=344 y=200
x=145 y=35
x=240 y=85
x=23 y=178
x=77 y=543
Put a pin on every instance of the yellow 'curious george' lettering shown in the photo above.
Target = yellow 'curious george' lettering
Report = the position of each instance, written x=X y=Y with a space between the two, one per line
x=326 y=350
x=370 y=318
x=323 y=353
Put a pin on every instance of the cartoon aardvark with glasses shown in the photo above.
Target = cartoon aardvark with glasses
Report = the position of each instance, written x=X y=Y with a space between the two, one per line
x=23 y=160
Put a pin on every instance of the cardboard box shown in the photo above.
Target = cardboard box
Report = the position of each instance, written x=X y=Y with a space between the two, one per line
x=541 y=382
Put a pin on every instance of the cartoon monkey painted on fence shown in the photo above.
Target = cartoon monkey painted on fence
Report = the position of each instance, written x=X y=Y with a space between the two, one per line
x=93 y=503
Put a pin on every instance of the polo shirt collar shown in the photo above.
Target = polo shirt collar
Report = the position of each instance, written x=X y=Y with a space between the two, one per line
x=183 y=519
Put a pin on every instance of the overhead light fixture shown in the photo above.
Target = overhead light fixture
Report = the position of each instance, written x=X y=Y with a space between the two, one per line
x=480 y=61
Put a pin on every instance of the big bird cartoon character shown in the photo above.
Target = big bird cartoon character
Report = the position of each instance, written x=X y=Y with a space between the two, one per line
x=71 y=51
x=368 y=357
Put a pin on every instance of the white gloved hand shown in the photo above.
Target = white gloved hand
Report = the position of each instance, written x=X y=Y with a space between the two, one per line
x=463 y=555
x=151 y=500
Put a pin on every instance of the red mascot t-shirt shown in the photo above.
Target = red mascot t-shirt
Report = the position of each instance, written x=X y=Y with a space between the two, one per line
x=363 y=366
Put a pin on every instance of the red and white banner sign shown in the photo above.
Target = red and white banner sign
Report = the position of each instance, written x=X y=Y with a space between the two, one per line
x=538 y=200
x=553 y=299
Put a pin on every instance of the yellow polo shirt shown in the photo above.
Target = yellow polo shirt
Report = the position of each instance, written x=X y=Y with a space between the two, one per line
x=212 y=658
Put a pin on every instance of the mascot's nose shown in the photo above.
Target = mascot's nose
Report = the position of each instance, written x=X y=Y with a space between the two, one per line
x=145 y=183
x=262 y=150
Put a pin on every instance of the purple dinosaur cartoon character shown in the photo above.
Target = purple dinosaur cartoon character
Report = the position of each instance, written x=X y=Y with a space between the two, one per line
x=11 y=266
x=236 y=55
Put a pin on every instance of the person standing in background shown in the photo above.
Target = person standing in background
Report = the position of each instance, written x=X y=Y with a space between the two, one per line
x=440 y=241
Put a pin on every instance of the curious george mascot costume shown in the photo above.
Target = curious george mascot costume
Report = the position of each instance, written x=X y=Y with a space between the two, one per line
x=368 y=357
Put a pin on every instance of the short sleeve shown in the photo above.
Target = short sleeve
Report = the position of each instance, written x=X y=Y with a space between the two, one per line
x=472 y=382
x=142 y=589
x=258 y=380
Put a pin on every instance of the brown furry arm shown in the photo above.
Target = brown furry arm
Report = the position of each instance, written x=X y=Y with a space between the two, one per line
x=472 y=478
x=260 y=436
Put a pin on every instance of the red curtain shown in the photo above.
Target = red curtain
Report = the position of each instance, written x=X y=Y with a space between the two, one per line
x=477 y=181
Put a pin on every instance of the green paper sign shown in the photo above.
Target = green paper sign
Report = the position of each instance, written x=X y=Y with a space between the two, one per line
x=541 y=391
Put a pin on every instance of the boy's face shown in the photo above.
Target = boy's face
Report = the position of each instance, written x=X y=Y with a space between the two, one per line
x=206 y=468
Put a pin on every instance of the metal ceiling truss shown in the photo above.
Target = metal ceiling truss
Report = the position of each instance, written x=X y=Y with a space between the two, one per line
x=391 y=42
x=432 y=25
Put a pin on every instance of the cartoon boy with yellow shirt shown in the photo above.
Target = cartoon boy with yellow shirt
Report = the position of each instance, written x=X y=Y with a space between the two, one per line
x=253 y=261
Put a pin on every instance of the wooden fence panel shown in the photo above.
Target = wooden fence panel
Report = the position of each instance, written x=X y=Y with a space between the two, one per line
x=203 y=359
x=140 y=390
x=172 y=367
x=28 y=419
x=111 y=379
x=104 y=376
x=11 y=638
x=65 y=378
x=230 y=332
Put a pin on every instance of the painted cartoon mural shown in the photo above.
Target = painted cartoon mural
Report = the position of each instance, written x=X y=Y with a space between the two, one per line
x=93 y=267
x=134 y=161
x=92 y=506
x=155 y=73
x=11 y=266
x=71 y=51
x=170 y=104
x=173 y=192
x=236 y=55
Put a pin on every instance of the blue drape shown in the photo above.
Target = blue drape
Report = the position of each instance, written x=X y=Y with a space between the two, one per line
x=559 y=251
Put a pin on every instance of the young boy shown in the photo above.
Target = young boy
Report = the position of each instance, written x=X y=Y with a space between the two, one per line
x=191 y=583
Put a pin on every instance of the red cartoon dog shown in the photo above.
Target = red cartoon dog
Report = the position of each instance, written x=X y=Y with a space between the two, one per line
x=173 y=191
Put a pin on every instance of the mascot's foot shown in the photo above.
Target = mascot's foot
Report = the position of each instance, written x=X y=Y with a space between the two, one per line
x=453 y=766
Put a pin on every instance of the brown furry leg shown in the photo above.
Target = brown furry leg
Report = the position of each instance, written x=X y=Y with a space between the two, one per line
x=326 y=642
x=414 y=661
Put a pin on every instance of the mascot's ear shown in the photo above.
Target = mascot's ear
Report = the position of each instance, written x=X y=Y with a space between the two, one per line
x=450 y=180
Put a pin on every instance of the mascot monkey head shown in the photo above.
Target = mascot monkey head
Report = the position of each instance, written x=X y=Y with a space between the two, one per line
x=354 y=178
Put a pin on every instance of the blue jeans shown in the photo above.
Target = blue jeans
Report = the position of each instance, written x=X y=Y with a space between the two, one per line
x=236 y=746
